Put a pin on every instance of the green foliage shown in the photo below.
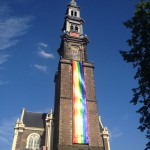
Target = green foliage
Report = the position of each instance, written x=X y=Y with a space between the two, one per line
x=139 y=56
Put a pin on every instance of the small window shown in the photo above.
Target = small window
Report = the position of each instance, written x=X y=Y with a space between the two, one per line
x=75 y=13
x=72 y=13
x=76 y=28
x=71 y=27
x=33 y=141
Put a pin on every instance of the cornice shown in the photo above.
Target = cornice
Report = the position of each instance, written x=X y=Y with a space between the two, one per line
x=69 y=38
x=74 y=18
x=34 y=129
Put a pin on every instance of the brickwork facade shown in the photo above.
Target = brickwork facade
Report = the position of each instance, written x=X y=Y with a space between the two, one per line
x=73 y=47
x=22 y=138
x=63 y=125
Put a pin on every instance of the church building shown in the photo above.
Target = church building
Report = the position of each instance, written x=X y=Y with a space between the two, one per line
x=75 y=123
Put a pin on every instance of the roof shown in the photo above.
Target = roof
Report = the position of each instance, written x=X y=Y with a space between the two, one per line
x=33 y=119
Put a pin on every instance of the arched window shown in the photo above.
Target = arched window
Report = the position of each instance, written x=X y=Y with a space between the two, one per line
x=33 y=141
x=75 y=13
x=72 y=13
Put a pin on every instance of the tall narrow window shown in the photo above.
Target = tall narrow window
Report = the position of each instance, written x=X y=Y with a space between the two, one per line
x=71 y=28
x=76 y=28
x=72 y=13
x=75 y=13
x=33 y=141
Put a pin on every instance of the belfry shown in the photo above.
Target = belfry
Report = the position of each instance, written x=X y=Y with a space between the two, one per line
x=74 y=124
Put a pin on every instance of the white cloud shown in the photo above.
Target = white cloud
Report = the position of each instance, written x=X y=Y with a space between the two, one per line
x=41 y=44
x=44 y=54
x=11 y=27
x=41 y=67
x=115 y=133
x=7 y=130
x=41 y=51
x=3 y=58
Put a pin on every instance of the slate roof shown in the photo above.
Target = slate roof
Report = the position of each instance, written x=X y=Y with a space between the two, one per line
x=33 y=119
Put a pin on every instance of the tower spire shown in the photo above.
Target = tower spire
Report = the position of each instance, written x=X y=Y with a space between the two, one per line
x=73 y=2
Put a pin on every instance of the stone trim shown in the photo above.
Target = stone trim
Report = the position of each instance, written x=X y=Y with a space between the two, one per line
x=28 y=139
x=66 y=61
x=66 y=98
x=49 y=131
x=91 y=100
x=34 y=129
x=81 y=39
x=15 y=139
x=22 y=115
x=88 y=64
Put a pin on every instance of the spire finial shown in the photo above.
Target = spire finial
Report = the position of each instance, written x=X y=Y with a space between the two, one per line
x=73 y=2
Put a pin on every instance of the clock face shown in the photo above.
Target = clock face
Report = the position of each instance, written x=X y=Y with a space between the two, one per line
x=74 y=53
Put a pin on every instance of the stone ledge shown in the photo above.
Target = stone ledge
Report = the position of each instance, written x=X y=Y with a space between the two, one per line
x=79 y=147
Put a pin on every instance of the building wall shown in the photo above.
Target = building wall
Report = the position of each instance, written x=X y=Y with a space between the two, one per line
x=63 y=125
x=95 y=138
x=22 y=138
x=89 y=81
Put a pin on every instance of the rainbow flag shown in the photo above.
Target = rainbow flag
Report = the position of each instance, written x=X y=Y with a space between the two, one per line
x=80 y=123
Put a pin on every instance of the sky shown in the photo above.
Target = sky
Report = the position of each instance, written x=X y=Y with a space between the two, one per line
x=29 y=38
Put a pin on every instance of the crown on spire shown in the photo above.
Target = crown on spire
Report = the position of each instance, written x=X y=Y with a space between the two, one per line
x=73 y=2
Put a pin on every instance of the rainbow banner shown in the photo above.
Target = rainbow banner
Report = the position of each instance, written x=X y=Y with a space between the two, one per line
x=80 y=123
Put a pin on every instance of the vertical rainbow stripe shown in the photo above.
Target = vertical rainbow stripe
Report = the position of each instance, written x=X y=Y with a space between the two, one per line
x=80 y=124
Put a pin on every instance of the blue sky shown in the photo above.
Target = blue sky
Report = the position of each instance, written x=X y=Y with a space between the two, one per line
x=29 y=38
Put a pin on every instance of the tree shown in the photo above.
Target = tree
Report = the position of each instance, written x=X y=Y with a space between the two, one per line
x=139 y=56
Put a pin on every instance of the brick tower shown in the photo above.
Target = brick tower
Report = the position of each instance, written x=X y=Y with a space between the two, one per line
x=77 y=125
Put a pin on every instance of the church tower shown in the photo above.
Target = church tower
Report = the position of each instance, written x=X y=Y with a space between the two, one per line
x=76 y=121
